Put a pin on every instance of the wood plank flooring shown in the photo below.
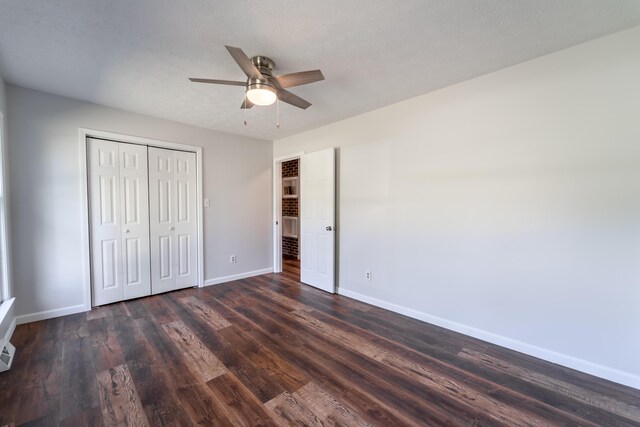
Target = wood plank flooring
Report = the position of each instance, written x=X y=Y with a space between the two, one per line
x=269 y=351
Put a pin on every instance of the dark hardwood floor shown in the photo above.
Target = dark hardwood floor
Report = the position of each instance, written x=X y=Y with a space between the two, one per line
x=270 y=351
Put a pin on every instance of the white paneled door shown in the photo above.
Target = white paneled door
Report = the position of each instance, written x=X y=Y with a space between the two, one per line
x=173 y=219
x=134 y=196
x=317 y=219
x=119 y=221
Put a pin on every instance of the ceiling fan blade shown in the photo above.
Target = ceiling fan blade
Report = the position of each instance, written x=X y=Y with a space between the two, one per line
x=219 y=82
x=295 y=100
x=246 y=104
x=300 y=78
x=245 y=63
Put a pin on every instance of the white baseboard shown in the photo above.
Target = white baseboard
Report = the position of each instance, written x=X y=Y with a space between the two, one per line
x=239 y=276
x=591 y=368
x=50 y=314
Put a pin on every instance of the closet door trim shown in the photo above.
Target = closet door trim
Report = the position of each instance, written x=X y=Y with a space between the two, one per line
x=83 y=135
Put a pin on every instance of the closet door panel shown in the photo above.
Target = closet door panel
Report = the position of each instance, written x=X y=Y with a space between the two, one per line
x=105 y=214
x=186 y=226
x=165 y=257
x=135 y=220
x=161 y=208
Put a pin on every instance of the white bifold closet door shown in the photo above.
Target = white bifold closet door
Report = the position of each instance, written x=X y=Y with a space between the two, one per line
x=173 y=225
x=120 y=261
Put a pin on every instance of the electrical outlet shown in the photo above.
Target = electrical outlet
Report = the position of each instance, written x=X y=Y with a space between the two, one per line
x=233 y=259
x=367 y=275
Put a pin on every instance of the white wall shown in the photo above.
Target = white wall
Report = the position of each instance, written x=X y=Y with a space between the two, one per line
x=506 y=207
x=46 y=197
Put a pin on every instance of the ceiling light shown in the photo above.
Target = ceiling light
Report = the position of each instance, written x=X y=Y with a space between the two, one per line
x=262 y=95
x=262 y=87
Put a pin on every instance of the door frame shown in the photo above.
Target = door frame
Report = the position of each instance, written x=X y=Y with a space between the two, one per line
x=6 y=293
x=83 y=134
x=277 y=208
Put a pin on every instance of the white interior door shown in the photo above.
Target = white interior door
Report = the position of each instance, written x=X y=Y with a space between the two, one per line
x=134 y=196
x=104 y=184
x=317 y=219
x=172 y=207
x=161 y=210
x=186 y=225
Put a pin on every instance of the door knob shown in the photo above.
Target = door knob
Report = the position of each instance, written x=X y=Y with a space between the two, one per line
x=126 y=231
x=329 y=228
x=172 y=228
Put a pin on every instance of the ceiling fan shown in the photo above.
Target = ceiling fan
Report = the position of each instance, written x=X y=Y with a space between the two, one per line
x=262 y=87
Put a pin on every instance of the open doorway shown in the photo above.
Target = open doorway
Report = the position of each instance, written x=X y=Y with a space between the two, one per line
x=304 y=212
x=290 y=200
x=286 y=202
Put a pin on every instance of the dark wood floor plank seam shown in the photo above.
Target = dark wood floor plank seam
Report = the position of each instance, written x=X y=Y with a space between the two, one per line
x=543 y=395
x=584 y=411
x=617 y=407
x=119 y=398
x=157 y=380
x=243 y=368
x=430 y=373
x=12 y=381
x=568 y=416
x=363 y=370
x=270 y=351
x=241 y=405
x=457 y=375
x=378 y=412
x=200 y=360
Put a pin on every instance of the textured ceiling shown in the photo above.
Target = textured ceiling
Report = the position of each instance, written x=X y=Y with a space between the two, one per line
x=137 y=54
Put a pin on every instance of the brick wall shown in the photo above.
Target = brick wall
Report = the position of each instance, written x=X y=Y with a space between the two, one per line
x=290 y=247
x=290 y=208
x=290 y=168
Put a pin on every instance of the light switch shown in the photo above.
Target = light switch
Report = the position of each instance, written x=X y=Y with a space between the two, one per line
x=207 y=203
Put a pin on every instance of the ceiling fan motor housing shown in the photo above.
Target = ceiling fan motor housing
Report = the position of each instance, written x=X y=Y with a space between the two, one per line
x=265 y=66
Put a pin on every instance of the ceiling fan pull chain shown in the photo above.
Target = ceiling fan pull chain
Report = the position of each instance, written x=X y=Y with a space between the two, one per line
x=245 y=107
x=277 y=113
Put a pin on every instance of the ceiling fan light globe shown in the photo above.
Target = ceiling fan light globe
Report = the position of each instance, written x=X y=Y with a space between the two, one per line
x=261 y=96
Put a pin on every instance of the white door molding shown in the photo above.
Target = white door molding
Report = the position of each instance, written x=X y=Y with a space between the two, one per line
x=277 y=208
x=83 y=134
x=5 y=238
